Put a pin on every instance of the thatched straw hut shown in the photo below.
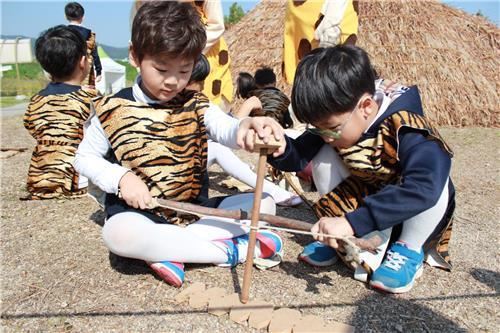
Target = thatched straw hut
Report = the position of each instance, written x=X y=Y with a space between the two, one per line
x=452 y=56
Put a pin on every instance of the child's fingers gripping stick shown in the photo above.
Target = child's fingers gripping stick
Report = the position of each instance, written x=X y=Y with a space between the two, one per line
x=134 y=191
x=272 y=145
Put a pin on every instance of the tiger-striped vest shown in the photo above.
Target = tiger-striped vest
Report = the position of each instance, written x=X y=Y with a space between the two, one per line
x=373 y=164
x=56 y=122
x=91 y=44
x=165 y=145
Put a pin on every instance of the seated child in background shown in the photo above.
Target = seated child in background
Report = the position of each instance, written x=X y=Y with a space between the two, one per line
x=225 y=157
x=74 y=14
x=262 y=98
x=155 y=137
x=55 y=116
x=386 y=168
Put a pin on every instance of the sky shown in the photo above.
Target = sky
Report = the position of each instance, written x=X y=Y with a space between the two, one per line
x=109 y=19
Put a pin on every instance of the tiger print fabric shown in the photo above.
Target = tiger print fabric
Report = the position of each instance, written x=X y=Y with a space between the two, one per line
x=166 y=146
x=56 y=123
x=91 y=44
x=373 y=164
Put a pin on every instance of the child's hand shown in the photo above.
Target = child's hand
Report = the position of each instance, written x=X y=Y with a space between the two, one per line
x=134 y=191
x=264 y=127
x=335 y=226
x=247 y=107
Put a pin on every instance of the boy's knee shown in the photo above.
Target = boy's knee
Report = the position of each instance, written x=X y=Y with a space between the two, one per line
x=117 y=236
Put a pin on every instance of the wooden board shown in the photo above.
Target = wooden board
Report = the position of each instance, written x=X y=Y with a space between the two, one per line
x=184 y=295
x=222 y=305
x=201 y=299
x=261 y=316
x=284 y=320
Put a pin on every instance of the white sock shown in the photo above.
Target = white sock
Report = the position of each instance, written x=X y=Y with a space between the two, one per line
x=417 y=229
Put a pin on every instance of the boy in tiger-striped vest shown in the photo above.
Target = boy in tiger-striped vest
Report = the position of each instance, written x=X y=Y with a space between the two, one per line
x=56 y=115
x=379 y=165
x=74 y=14
x=150 y=140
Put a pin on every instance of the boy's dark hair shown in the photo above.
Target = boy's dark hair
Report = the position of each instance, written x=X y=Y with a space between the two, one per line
x=264 y=76
x=275 y=105
x=59 y=49
x=201 y=69
x=245 y=83
x=168 y=28
x=74 y=11
x=330 y=81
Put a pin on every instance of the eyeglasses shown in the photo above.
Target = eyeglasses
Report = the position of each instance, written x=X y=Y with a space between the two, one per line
x=332 y=134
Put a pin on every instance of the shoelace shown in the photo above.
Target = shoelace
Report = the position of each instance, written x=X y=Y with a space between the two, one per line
x=395 y=260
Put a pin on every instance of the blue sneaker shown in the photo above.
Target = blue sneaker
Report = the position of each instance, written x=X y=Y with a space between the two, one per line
x=318 y=254
x=268 y=244
x=169 y=271
x=399 y=269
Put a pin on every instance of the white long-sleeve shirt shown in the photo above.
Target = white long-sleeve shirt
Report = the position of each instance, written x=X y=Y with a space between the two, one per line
x=90 y=157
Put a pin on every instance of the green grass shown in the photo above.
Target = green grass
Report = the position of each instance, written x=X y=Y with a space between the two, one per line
x=28 y=87
x=31 y=80
x=6 y=101
x=131 y=72
x=26 y=71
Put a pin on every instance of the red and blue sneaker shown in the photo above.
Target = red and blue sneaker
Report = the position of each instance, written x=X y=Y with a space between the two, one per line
x=268 y=244
x=169 y=271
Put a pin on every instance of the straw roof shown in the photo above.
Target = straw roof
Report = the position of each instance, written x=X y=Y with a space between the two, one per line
x=452 y=56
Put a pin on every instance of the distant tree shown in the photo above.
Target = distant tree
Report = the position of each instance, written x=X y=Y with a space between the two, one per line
x=235 y=14
x=479 y=13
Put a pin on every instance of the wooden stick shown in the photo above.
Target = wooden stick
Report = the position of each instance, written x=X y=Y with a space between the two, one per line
x=247 y=275
x=279 y=221
x=193 y=209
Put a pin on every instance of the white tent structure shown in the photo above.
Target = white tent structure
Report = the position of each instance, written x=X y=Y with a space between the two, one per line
x=112 y=76
x=15 y=51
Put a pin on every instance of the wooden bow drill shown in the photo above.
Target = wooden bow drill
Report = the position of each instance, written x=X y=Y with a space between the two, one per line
x=352 y=245
x=283 y=223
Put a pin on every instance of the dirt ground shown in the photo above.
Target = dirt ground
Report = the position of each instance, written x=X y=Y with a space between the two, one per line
x=57 y=275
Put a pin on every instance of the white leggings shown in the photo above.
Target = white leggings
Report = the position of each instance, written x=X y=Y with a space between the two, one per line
x=238 y=169
x=133 y=235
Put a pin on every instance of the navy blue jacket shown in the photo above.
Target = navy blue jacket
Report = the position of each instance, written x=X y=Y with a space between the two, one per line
x=424 y=169
x=86 y=35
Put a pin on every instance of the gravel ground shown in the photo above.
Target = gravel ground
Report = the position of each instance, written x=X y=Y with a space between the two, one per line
x=57 y=275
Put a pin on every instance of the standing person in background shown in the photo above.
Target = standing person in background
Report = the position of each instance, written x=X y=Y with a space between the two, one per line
x=311 y=23
x=56 y=115
x=74 y=14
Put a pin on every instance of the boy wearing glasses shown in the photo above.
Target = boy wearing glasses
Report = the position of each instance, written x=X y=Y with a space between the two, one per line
x=383 y=167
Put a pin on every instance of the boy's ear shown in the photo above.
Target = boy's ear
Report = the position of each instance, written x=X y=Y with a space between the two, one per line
x=367 y=105
x=83 y=63
x=132 y=57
